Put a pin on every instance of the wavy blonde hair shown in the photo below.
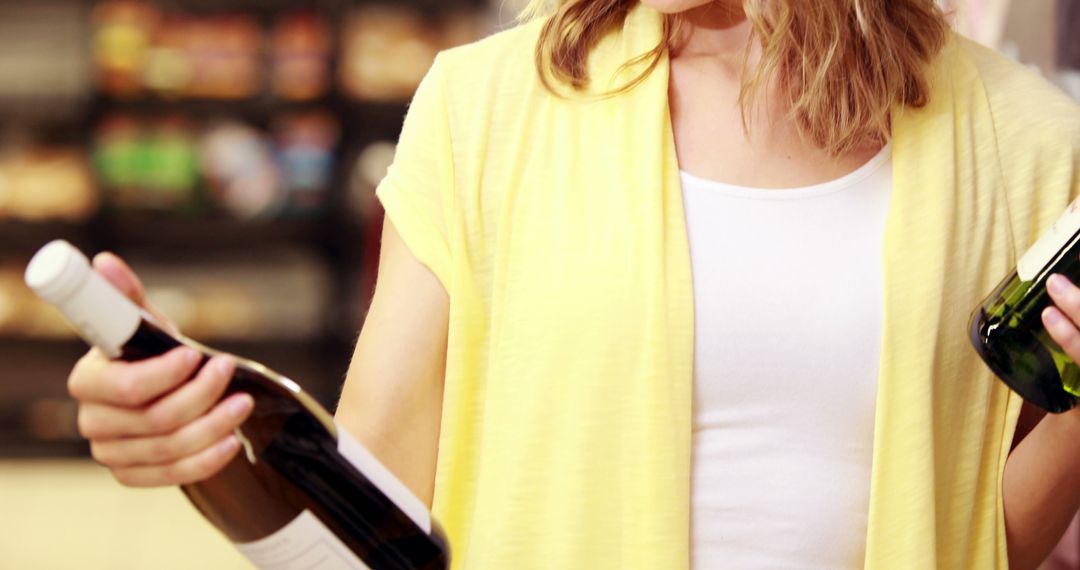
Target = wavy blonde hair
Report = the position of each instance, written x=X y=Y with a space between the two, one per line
x=842 y=65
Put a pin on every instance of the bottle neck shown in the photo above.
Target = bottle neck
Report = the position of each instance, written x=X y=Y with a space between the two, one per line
x=103 y=316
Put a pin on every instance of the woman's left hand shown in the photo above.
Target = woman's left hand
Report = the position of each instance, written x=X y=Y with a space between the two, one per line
x=1040 y=489
x=1062 y=319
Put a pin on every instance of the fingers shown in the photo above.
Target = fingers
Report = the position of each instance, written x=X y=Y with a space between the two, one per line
x=1061 y=319
x=120 y=275
x=189 y=440
x=191 y=469
x=96 y=379
x=189 y=401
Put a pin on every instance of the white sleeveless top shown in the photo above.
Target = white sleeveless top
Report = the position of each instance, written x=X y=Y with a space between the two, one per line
x=788 y=302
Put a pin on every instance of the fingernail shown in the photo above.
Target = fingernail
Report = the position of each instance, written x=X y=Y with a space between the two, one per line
x=228 y=445
x=1051 y=317
x=238 y=407
x=192 y=356
x=223 y=365
x=1056 y=284
x=104 y=256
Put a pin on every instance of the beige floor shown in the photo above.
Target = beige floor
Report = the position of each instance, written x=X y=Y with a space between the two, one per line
x=59 y=515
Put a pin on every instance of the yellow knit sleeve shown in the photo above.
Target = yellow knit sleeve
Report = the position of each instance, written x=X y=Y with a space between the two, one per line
x=418 y=188
x=1037 y=133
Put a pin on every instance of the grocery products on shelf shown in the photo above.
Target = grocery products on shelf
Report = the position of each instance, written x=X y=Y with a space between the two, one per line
x=241 y=171
x=46 y=183
x=176 y=165
x=302 y=48
x=386 y=50
x=139 y=49
x=123 y=32
x=227 y=298
x=148 y=165
x=225 y=149
x=369 y=168
x=385 y=53
x=306 y=143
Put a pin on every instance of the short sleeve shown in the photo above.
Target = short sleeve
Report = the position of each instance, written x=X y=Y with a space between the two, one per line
x=1037 y=138
x=418 y=188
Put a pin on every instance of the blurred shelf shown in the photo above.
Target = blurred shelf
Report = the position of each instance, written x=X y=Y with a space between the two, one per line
x=44 y=112
x=37 y=370
x=14 y=446
x=256 y=109
x=24 y=238
x=319 y=367
x=218 y=233
x=367 y=117
x=196 y=234
x=375 y=119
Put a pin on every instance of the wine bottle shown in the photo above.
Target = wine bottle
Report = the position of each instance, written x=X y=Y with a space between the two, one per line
x=301 y=493
x=1007 y=328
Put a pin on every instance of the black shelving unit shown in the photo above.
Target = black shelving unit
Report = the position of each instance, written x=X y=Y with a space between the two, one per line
x=319 y=364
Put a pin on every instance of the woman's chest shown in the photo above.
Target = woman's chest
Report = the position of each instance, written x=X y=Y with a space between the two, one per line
x=788 y=298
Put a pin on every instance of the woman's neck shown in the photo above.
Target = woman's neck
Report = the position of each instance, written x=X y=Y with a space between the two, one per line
x=717 y=30
x=707 y=112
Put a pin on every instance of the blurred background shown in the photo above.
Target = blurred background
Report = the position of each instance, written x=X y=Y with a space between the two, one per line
x=229 y=149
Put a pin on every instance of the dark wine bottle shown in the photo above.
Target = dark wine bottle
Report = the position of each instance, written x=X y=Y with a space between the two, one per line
x=1007 y=328
x=301 y=493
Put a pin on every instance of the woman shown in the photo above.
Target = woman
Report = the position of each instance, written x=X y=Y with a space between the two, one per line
x=577 y=371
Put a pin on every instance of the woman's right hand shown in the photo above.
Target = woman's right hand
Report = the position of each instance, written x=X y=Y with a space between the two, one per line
x=156 y=422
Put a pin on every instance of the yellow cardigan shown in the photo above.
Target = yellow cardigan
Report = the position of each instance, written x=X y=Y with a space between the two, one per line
x=556 y=225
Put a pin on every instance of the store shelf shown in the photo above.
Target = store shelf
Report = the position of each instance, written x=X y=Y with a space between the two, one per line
x=375 y=119
x=217 y=234
x=256 y=109
x=18 y=447
x=18 y=238
x=193 y=234
x=44 y=365
x=336 y=240
x=318 y=366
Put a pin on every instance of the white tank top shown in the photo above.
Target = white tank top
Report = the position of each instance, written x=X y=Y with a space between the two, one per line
x=788 y=301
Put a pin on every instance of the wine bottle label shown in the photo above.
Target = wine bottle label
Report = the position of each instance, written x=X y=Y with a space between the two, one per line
x=1049 y=244
x=382 y=478
x=302 y=544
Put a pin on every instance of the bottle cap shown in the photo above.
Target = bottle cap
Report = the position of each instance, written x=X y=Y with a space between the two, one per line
x=57 y=271
x=61 y=275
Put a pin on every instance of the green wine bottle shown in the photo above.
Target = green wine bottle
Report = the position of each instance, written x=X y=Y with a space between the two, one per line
x=1007 y=328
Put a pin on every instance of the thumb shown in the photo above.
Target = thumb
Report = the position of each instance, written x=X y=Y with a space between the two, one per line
x=120 y=275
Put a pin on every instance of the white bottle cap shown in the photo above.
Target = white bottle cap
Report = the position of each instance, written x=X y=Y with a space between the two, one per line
x=57 y=271
x=61 y=275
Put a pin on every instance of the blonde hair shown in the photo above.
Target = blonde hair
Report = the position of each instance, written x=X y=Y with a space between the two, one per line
x=842 y=65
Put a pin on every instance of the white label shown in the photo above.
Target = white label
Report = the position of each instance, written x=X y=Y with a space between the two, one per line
x=382 y=478
x=1050 y=243
x=303 y=544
